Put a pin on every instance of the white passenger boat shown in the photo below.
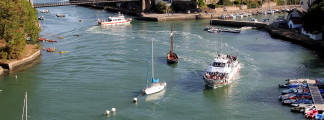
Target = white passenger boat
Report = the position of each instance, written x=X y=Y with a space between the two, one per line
x=115 y=20
x=221 y=71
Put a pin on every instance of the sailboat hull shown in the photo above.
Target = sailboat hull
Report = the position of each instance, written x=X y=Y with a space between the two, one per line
x=154 y=88
x=172 y=60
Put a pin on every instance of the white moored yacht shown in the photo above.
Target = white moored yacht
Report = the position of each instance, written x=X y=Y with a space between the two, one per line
x=221 y=71
x=115 y=20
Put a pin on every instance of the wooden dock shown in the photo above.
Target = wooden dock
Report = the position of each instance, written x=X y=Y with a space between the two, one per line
x=316 y=95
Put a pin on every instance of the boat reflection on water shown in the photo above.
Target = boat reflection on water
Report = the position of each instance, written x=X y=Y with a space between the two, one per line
x=155 y=96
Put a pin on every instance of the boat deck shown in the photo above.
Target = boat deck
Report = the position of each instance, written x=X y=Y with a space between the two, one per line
x=316 y=95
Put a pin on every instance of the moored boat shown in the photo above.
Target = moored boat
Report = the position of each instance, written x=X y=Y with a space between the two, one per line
x=254 y=20
x=156 y=85
x=115 y=20
x=221 y=71
x=41 y=18
x=45 y=11
x=60 y=15
x=50 y=49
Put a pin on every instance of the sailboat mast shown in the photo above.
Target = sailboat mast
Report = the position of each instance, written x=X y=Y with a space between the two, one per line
x=172 y=38
x=152 y=62
x=22 y=116
x=26 y=105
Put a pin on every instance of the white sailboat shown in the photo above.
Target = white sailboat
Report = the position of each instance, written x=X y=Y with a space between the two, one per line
x=24 y=107
x=155 y=86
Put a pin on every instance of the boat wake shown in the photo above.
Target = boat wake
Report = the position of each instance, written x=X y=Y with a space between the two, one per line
x=110 y=30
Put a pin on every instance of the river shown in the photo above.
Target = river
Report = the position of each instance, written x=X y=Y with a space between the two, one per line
x=106 y=67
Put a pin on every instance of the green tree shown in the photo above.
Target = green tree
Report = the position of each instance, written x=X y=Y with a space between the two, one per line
x=160 y=7
x=313 y=19
x=18 y=20
x=224 y=2
x=201 y=3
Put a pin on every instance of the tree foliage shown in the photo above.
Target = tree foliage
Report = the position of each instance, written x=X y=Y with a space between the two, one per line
x=201 y=3
x=224 y=2
x=160 y=7
x=18 y=20
x=313 y=19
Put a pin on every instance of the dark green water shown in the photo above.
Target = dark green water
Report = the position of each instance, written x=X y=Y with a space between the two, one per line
x=106 y=67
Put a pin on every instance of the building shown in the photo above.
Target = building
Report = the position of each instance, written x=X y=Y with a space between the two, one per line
x=315 y=35
x=294 y=19
x=295 y=23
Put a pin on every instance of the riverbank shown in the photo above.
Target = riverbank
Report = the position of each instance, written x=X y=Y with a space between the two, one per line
x=209 y=15
x=212 y=14
x=296 y=38
x=31 y=53
x=280 y=33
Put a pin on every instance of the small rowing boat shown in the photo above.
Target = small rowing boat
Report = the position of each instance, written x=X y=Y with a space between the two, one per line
x=61 y=52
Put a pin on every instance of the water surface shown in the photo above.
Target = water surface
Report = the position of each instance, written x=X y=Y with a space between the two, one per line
x=106 y=67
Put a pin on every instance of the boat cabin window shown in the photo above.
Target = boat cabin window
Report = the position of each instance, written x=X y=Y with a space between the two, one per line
x=216 y=64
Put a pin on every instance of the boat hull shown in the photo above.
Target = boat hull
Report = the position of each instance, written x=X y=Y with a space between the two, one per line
x=154 y=88
x=114 y=23
x=220 y=83
x=172 y=60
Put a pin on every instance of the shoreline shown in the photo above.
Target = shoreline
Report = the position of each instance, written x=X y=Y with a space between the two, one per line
x=12 y=65
x=180 y=16
x=278 y=33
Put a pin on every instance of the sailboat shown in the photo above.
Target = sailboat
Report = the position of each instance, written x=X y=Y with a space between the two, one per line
x=24 y=107
x=155 y=86
x=172 y=57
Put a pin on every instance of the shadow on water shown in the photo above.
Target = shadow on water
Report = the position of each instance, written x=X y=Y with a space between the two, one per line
x=265 y=95
x=173 y=65
x=26 y=66
x=192 y=82
x=298 y=72
x=306 y=69
x=268 y=47
x=216 y=94
x=161 y=60
x=314 y=66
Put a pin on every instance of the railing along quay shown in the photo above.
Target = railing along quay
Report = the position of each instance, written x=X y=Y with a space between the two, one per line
x=67 y=3
x=316 y=95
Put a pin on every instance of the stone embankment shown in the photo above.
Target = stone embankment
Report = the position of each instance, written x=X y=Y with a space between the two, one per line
x=297 y=38
x=213 y=15
x=238 y=23
x=283 y=34
x=32 y=53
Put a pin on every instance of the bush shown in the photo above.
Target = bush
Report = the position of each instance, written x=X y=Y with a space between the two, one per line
x=224 y=2
x=212 y=6
x=160 y=7
x=236 y=2
x=201 y=3
x=3 y=55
